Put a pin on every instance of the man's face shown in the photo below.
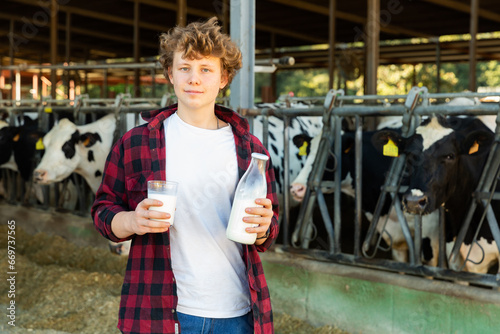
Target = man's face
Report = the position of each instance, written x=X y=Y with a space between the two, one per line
x=196 y=81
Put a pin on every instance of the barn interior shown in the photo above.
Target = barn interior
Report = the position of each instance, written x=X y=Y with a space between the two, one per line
x=54 y=54
x=337 y=35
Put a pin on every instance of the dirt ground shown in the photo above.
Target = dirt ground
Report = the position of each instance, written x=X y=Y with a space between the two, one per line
x=67 y=281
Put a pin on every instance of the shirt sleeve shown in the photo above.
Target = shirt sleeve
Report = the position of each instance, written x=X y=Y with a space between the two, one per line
x=111 y=196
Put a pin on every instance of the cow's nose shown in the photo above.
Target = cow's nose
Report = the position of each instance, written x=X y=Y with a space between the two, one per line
x=39 y=174
x=415 y=204
x=298 y=191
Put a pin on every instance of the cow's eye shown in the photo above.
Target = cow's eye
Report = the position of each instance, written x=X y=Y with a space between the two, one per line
x=449 y=157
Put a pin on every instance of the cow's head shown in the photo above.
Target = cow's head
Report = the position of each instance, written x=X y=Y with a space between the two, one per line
x=307 y=146
x=444 y=158
x=65 y=146
x=7 y=137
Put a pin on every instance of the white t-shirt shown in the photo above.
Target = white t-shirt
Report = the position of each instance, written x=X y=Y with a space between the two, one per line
x=209 y=268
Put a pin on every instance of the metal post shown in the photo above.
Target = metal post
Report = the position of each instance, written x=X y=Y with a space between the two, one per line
x=474 y=8
x=358 y=209
x=286 y=179
x=338 y=180
x=243 y=33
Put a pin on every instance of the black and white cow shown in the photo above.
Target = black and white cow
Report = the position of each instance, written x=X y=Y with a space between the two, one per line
x=18 y=150
x=374 y=170
x=309 y=126
x=445 y=158
x=80 y=149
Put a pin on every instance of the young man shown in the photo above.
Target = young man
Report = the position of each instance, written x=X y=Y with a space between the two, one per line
x=189 y=276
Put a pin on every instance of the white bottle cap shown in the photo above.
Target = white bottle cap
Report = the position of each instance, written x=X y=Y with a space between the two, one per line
x=260 y=156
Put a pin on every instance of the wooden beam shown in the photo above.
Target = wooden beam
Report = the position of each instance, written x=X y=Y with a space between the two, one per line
x=372 y=30
x=390 y=29
x=137 y=48
x=331 y=43
x=54 y=10
x=77 y=30
x=474 y=4
x=465 y=8
x=95 y=15
x=181 y=13
x=68 y=37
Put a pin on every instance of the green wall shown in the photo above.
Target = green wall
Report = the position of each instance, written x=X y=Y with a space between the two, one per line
x=368 y=301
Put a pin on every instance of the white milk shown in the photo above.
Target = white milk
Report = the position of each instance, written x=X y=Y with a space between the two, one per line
x=168 y=206
x=236 y=226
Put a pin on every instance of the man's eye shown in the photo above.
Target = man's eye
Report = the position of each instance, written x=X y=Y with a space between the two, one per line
x=206 y=70
x=184 y=69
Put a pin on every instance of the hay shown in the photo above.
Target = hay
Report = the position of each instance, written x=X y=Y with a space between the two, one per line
x=63 y=288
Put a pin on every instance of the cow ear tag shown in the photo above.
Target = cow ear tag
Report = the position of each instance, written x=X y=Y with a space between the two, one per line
x=390 y=149
x=39 y=145
x=86 y=142
x=474 y=148
x=16 y=138
x=303 y=149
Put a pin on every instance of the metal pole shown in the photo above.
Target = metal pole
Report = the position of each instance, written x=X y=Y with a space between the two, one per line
x=474 y=7
x=358 y=209
x=337 y=219
x=243 y=33
x=286 y=179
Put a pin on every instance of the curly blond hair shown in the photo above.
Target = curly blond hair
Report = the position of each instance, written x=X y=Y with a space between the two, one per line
x=200 y=39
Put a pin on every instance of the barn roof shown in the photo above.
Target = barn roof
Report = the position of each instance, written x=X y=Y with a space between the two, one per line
x=103 y=29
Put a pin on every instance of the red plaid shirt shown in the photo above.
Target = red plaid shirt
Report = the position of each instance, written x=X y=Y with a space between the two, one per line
x=149 y=296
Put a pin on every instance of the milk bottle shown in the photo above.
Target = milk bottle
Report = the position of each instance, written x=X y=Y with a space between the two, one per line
x=252 y=185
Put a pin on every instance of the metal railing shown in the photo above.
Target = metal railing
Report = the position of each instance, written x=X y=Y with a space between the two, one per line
x=414 y=105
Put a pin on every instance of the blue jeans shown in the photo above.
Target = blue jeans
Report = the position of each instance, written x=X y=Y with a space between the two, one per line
x=196 y=325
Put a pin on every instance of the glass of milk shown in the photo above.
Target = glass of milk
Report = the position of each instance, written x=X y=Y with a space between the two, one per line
x=166 y=192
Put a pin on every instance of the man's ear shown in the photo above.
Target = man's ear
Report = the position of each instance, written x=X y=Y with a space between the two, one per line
x=169 y=72
x=224 y=79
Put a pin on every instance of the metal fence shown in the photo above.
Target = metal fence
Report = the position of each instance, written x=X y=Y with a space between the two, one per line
x=361 y=109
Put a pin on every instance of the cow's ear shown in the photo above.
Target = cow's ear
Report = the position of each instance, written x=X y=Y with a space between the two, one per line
x=88 y=138
x=382 y=138
x=348 y=142
x=303 y=143
x=299 y=140
x=477 y=142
